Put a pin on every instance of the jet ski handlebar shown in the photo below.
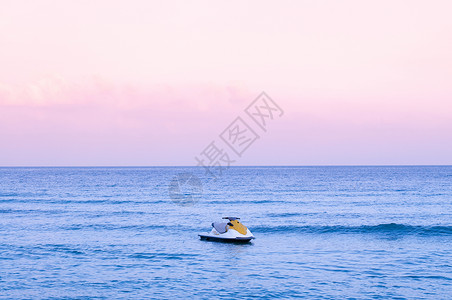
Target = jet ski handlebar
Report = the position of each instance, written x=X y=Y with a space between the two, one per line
x=231 y=218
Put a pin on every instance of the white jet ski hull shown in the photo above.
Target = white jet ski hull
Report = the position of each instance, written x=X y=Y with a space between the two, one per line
x=231 y=236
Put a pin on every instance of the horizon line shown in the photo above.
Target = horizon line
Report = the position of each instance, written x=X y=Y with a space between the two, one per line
x=235 y=166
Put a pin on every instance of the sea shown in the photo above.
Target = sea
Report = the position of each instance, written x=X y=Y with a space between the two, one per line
x=338 y=232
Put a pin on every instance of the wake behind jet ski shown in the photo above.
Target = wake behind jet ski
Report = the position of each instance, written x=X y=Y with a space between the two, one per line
x=232 y=231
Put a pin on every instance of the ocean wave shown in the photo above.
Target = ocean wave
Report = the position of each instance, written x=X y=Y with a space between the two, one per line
x=248 y=201
x=390 y=228
x=107 y=201
x=109 y=227
x=163 y=256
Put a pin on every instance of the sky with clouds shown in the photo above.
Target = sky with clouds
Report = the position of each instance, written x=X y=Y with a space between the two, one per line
x=122 y=83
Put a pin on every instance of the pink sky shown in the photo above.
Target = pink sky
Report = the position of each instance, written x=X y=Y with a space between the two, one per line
x=154 y=82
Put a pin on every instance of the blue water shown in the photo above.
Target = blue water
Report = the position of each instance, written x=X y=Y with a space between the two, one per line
x=321 y=233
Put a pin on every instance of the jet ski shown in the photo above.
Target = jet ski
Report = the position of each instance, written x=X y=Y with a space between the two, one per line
x=232 y=231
